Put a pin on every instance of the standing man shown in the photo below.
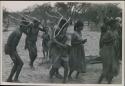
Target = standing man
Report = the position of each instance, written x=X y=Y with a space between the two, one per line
x=31 y=39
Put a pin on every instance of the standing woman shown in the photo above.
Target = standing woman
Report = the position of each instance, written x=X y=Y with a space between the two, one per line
x=109 y=55
x=103 y=31
x=77 y=53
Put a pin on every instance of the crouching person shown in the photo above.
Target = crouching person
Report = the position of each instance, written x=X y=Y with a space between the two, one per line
x=10 y=49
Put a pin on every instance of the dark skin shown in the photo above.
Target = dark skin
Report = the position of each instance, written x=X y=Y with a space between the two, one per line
x=60 y=41
x=11 y=46
x=57 y=74
x=46 y=38
x=45 y=45
x=80 y=28
x=108 y=78
x=31 y=41
x=64 y=64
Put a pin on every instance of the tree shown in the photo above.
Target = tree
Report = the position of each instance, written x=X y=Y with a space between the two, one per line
x=62 y=8
x=5 y=19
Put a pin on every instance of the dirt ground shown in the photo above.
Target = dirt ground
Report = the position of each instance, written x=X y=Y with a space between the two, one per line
x=41 y=73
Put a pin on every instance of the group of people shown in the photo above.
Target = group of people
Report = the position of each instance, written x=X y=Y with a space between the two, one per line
x=31 y=30
x=65 y=49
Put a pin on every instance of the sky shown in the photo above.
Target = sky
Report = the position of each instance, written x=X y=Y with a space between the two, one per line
x=20 y=5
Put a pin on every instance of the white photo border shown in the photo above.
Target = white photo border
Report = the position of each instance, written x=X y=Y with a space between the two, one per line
x=123 y=60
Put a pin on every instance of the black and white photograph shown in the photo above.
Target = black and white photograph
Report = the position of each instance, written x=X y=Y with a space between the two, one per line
x=62 y=42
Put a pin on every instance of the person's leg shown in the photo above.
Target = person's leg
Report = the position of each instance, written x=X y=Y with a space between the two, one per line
x=70 y=73
x=65 y=65
x=110 y=79
x=77 y=74
x=57 y=65
x=20 y=65
x=14 y=68
x=100 y=78
x=57 y=74
x=30 y=53
x=44 y=54
x=33 y=55
x=47 y=55
x=52 y=72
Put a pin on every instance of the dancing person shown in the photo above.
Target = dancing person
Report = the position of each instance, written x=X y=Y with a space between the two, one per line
x=59 y=52
x=77 y=53
x=31 y=38
x=11 y=50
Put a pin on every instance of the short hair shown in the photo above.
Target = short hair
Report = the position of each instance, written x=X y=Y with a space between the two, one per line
x=79 y=23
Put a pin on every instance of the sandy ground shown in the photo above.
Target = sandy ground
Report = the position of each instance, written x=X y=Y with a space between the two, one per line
x=41 y=73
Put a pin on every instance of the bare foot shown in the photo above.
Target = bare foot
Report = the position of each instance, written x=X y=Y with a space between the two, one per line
x=59 y=76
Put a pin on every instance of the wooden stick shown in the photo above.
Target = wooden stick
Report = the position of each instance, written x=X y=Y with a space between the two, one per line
x=62 y=27
x=60 y=14
x=72 y=10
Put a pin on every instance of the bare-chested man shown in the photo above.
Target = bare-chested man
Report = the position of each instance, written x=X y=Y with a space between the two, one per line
x=10 y=49
x=31 y=40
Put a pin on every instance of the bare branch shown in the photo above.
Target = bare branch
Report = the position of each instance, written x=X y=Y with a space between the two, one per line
x=14 y=18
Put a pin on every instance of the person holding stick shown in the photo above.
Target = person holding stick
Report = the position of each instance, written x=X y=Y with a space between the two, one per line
x=61 y=49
